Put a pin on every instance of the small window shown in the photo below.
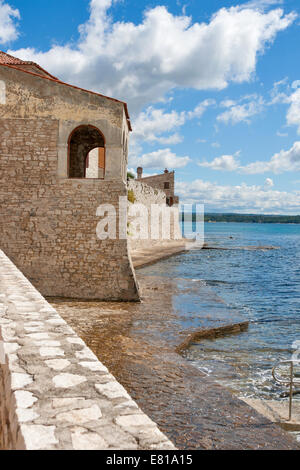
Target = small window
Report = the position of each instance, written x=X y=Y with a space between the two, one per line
x=167 y=186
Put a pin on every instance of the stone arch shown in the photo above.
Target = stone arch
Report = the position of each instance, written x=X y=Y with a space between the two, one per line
x=82 y=140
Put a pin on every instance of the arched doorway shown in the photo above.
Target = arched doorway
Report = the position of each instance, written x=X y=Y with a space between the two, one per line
x=82 y=141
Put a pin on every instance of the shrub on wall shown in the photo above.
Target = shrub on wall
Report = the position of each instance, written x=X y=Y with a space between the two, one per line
x=130 y=176
x=131 y=196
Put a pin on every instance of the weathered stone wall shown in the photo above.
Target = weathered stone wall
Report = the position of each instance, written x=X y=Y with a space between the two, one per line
x=149 y=196
x=54 y=392
x=28 y=96
x=47 y=221
x=158 y=182
x=48 y=225
x=145 y=194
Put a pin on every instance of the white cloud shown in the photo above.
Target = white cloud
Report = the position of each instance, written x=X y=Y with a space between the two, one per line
x=263 y=4
x=160 y=159
x=269 y=183
x=285 y=160
x=201 y=108
x=158 y=126
x=241 y=198
x=141 y=63
x=227 y=103
x=279 y=92
x=296 y=84
x=241 y=112
x=8 y=27
x=223 y=163
x=145 y=175
x=293 y=114
x=152 y=123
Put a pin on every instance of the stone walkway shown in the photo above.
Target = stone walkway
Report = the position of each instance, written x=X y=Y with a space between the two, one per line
x=150 y=253
x=277 y=411
x=54 y=392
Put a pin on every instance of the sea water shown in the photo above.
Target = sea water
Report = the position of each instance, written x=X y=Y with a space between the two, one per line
x=258 y=276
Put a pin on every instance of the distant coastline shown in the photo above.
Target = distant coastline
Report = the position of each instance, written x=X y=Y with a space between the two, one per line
x=244 y=218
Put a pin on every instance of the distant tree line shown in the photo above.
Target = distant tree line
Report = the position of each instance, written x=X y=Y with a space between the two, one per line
x=245 y=218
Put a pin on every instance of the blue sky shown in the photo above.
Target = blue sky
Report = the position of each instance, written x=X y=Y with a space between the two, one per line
x=213 y=87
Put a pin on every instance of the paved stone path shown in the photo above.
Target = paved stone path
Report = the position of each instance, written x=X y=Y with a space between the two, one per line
x=277 y=411
x=54 y=392
x=151 y=253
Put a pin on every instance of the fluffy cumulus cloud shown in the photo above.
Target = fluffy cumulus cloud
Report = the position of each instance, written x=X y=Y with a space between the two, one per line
x=285 y=93
x=223 y=163
x=285 y=160
x=8 y=27
x=241 y=198
x=158 y=126
x=152 y=125
x=162 y=158
x=141 y=63
x=281 y=162
x=242 y=111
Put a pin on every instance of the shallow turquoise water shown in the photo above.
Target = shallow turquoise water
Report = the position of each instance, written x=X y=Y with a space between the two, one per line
x=260 y=285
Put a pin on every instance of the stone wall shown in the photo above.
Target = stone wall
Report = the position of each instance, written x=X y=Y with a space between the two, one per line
x=32 y=97
x=159 y=181
x=145 y=194
x=48 y=225
x=48 y=221
x=54 y=392
x=149 y=196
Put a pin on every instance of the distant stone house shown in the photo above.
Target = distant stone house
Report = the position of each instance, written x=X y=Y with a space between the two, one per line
x=164 y=182
x=63 y=152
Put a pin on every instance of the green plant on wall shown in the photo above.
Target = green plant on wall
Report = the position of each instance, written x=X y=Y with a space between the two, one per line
x=130 y=176
x=131 y=196
x=128 y=229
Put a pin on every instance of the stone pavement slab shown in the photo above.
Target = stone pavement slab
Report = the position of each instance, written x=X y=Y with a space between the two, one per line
x=54 y=392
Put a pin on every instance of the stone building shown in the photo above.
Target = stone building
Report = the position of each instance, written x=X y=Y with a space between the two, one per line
x=48 y=198
x=164 y=182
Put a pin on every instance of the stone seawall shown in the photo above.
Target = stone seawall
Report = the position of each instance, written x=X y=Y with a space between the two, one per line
x=54 y=392
x=149 y=196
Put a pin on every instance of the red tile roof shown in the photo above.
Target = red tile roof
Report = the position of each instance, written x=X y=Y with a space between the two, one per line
x=7 y=59
x=14 y=62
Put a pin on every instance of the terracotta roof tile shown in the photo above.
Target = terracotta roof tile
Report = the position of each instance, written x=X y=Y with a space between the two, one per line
x=9 y=59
